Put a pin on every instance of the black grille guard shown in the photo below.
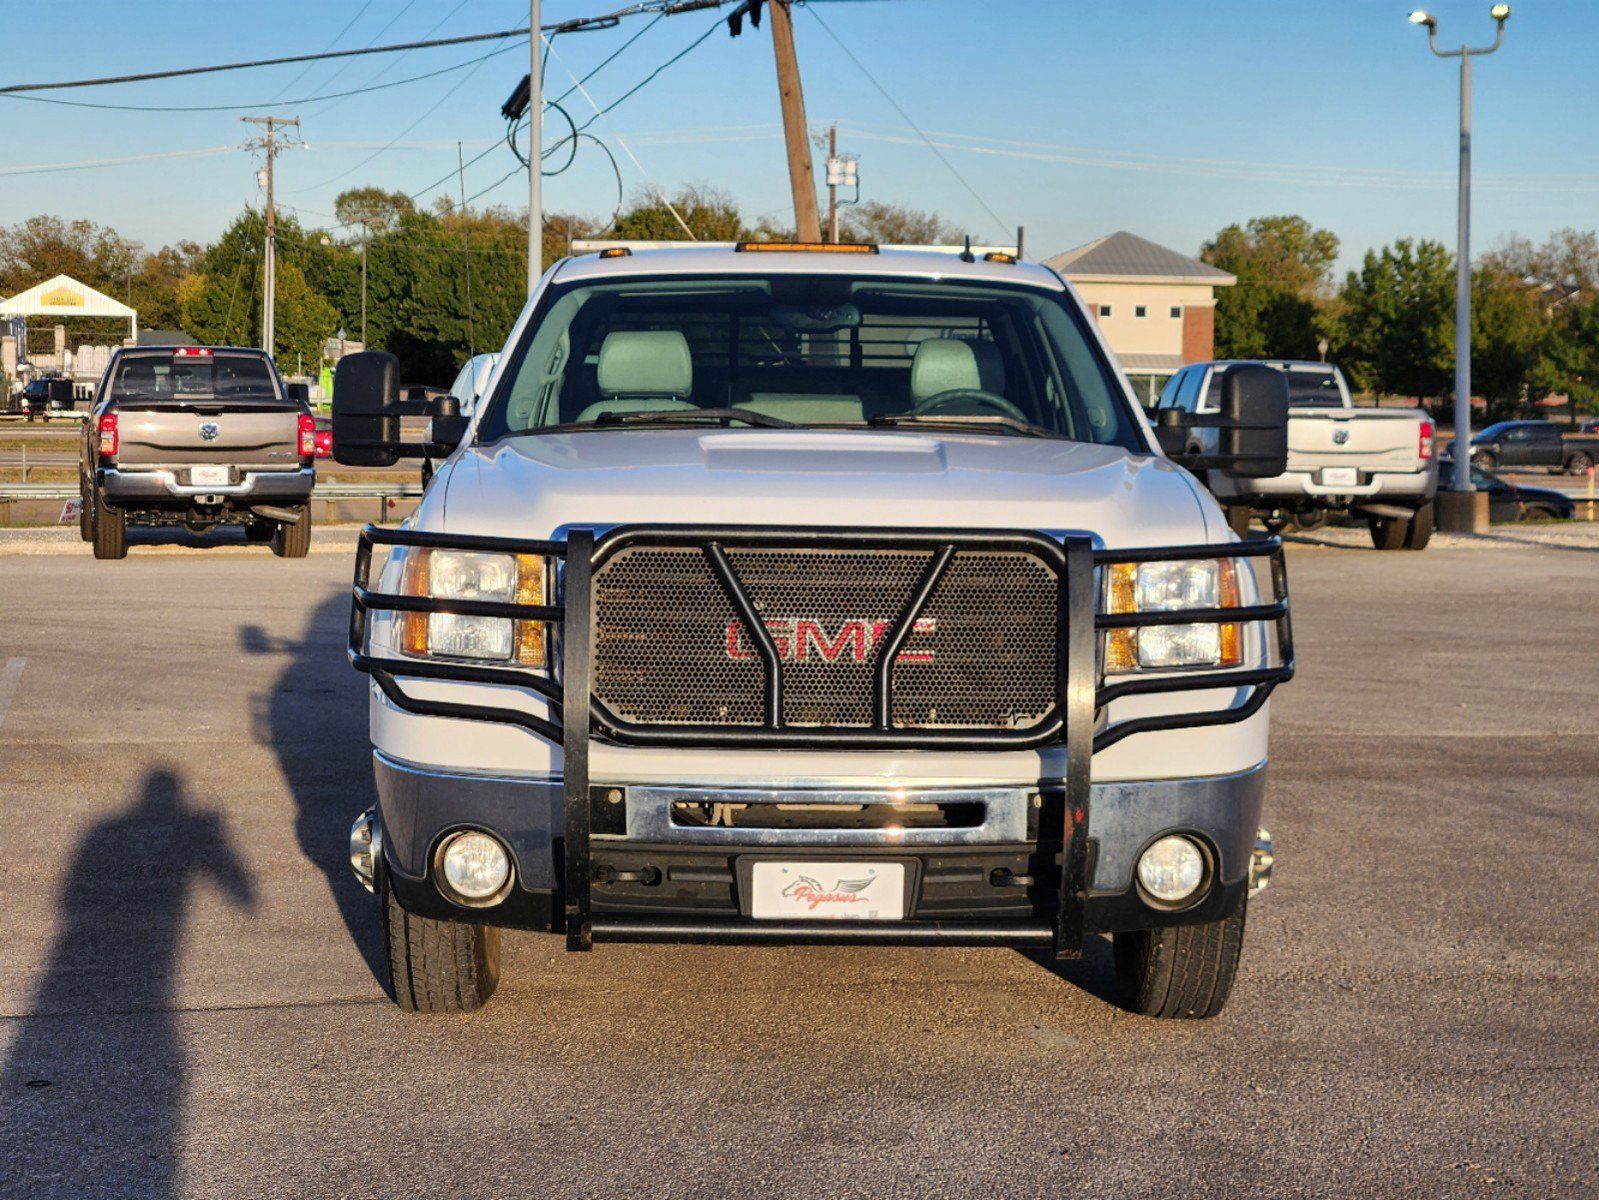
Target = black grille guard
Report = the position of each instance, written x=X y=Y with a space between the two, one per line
x=1074 y=722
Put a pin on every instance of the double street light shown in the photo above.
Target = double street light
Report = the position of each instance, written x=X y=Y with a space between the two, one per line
x=1462 y=517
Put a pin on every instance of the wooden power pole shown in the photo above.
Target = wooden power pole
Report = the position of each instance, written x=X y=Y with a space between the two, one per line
x=269 y=265
x=801 y=177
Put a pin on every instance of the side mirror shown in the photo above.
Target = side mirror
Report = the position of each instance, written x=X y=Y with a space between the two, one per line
x=298 y=392
x=366 y=409
x=449 y=424
x=1254 y=407
x=1253 y=425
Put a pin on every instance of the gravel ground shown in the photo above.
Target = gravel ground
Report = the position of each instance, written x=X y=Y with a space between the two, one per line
x=188 y=1005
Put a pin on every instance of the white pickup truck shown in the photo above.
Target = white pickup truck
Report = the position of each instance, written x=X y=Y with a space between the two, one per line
x=789 y=593
x=1376 y=463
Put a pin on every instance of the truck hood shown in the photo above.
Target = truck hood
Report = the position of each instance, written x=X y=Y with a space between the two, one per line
x=536 y=486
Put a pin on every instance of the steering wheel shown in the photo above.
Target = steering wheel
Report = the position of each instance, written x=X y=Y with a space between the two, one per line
x=956 y=398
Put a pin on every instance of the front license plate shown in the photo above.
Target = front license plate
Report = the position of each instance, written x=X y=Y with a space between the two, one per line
x=1339 y=477
x=828 y=891
x=208 y=477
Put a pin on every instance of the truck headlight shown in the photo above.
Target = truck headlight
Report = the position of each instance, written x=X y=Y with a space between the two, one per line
x=475 y=575
x=1171 y=587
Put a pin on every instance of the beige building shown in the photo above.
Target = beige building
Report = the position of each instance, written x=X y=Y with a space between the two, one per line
x=1157 y=307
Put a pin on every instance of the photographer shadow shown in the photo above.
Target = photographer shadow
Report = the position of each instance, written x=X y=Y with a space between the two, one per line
x=93 y=1088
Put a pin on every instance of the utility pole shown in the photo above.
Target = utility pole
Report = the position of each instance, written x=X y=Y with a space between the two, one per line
x=1459 y=508
x=535 y=143
x=269 y=286
x=466 y=253
x=832 y=184
x=801 y=176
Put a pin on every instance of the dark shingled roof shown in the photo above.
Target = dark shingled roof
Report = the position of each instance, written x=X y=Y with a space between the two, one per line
x=1130 y=256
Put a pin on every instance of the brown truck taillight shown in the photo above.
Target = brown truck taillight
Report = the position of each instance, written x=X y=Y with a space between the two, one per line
x=108 y=435
x=1424 y=443
x=307 y=436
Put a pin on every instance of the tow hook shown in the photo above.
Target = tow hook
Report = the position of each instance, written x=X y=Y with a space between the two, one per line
x=366 y=848
x=1260 y=862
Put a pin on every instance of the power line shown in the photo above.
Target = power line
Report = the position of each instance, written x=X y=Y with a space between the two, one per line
x=398 y=59
x=338 y=37
x=178 y=72
x=87 y=163
x=204 y=108
x=906 y=117
x=572 y=25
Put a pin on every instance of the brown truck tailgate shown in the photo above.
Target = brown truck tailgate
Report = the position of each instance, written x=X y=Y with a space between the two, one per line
x=253 y=433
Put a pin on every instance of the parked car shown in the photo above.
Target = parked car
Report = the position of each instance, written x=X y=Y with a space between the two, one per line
x=41 y=396
x=197 y=436
x=1520 y=445
x=473 y=380
x=816 y=594
x=1375 y=463
x=1508 y=501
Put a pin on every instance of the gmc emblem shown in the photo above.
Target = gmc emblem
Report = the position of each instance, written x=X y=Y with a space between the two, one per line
x=799 y=639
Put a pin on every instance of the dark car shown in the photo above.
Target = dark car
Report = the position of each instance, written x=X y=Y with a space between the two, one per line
x=42 y=396
x=1513 y=502
x=1523 y=444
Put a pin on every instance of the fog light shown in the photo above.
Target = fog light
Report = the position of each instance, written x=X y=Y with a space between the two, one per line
x=475 y=866
x=1171 y=870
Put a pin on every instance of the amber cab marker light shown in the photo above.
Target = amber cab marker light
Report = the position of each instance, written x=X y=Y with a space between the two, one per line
x=806 y=247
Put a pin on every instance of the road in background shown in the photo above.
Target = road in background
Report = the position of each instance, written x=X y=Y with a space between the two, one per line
x=189 y=1004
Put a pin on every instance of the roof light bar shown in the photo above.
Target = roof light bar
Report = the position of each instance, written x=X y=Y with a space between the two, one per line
x=191 y=352
x=999 y=256
x=806 y=247
x=616 y=252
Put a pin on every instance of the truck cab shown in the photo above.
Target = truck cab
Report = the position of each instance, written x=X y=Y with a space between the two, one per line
x=814 y=594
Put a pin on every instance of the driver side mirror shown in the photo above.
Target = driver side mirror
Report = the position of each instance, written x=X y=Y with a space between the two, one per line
x=448 y=425
x=1253 y=426
x=366 y=409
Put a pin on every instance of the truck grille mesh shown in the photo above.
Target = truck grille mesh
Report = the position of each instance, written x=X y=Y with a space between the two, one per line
x=670 y=649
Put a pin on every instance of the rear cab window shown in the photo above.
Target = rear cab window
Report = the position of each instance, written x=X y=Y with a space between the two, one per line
x=178 y=376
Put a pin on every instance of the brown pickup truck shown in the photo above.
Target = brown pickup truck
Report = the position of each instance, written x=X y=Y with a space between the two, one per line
x=197 y=436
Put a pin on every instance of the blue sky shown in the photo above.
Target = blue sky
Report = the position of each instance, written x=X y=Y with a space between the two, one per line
x=1171 y=118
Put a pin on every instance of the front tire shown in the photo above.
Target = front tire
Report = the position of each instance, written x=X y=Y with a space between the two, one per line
x=1579 y=463
x=1179 y=972
x=293 y=541
x=1484 y=459
x=109 y=526
x=437 y=966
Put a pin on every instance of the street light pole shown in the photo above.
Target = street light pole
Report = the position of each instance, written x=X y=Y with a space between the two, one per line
x=1461 y=514
x=535 y=141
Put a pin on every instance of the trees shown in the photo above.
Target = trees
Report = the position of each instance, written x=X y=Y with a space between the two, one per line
x=1283 y=265
x=1396 y=333
x=895 y=224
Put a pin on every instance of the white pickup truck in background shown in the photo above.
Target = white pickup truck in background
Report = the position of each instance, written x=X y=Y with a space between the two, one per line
x=1377 y=463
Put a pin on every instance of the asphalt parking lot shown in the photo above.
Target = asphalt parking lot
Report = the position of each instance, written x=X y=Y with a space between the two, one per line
x=188 y=1004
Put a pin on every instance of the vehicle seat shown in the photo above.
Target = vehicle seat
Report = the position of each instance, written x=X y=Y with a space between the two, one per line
x=949 y=364
x=642 y=371
x=813 y=409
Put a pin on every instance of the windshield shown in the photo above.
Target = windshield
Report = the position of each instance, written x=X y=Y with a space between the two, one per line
x=1312 y=389
x=818 y=351
x=212 y=377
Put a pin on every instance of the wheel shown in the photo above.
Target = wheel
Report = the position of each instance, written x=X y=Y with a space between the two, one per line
x=1580 y=463
x=1181 y=971
x=1308 y=522
x=1388 y=533
x=1239 y=518
x=293 y=541
x=1484 y=459
x=260 y=531
x=1418 y=530
x=437 y=966
x=109 y=527
x=85 y=513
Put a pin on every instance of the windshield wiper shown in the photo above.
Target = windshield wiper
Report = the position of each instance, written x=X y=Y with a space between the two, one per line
x=980 y=421
x=679 y=416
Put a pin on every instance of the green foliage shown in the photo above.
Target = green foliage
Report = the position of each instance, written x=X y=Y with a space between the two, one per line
x=895 y=225
x=1283 y=266
x=1396 y=332
x=710 y=216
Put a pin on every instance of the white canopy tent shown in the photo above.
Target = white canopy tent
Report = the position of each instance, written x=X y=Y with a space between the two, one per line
x=64 y=296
